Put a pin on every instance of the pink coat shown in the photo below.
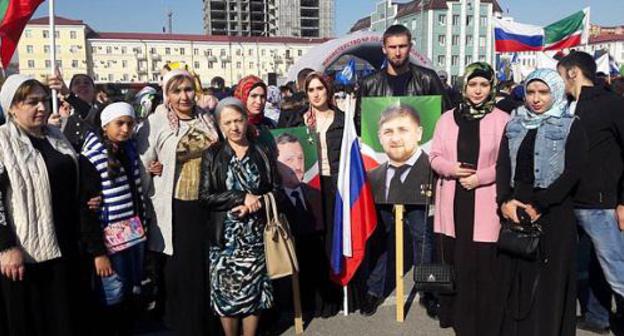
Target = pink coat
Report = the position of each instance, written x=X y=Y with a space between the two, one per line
x=443 y=158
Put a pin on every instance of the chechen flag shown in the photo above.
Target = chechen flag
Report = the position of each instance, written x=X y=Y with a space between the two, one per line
x=354 y=216
x=14 y=14
x=568 y=32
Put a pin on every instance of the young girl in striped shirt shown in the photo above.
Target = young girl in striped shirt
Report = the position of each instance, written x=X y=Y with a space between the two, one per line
x=114 y=235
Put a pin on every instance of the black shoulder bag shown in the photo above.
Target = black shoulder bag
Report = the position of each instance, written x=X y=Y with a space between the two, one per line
x=433 y=277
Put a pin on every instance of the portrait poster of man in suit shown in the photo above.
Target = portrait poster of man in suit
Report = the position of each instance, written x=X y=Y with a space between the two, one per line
x=395 y=136
x=298 y=166
x=297 y=163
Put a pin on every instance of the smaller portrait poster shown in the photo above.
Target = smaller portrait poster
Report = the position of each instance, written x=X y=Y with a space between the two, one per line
x=396 y=132
x=298 y=166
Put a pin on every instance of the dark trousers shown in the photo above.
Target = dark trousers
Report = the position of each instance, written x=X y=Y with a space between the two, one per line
x=418 y=247
x=40 y=305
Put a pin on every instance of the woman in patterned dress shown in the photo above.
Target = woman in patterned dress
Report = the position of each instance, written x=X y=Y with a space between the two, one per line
x=234 y=176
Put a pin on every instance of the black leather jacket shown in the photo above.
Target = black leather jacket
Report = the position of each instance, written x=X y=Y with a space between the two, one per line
x=214 y=194
x=424 y=82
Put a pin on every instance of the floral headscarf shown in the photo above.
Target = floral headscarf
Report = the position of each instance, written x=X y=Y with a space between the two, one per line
x=244 y=87
x=468 y=109
x=531 y=120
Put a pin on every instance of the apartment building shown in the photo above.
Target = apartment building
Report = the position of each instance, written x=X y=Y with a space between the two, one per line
x=118 y=57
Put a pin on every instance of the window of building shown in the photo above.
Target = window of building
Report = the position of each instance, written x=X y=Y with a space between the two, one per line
x=263 y=52
x=125 y=77
x=46 y=49
x=250 y=52
x=31 y=63
x=155 y=76
x=299 y=52
x=238 y=65
x=27 y=33
x=442 y=40
x=482 y=41
x=222 y=52
x=152 y=51
x=46 y=34
x=109 y=50
x=182 y=51
x=238 y=52
x=74 y=64
x=59 y=64
x=56 y=34
x=124 y=50
x=111 y=77
x=29 y=49
x=72 y=34
x=455 y=20
x=251 y=65
x=210 y=66
x=208 y=52
x=167 y=51
x=96 y=77
x=468 y=59
x=454 y=60
x=124 y=63
x=195 y=51
x=484 y=21
x=455 y=41
x=468 y=20
x=223 y=65
x=441 y=60
x=196 y=65
x=47 y=64
x=468 y=39
x=481 y=58
x=442 y=19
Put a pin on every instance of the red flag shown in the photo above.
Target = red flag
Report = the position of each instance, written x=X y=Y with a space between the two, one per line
x=14 y=14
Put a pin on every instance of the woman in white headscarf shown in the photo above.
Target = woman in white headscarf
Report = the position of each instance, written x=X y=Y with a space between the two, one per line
x=541 y=159
x=38 y=233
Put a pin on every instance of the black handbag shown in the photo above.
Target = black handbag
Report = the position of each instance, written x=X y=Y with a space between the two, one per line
x=520 y=240
x=435 y=277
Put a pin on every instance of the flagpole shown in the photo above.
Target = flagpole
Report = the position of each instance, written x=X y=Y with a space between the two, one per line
x=345 y=301
x=53 y=53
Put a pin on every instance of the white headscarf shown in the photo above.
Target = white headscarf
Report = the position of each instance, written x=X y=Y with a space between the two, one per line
x=9 y=88
x=116 y=110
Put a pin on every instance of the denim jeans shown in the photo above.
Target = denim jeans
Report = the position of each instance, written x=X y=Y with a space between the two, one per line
x=127 y=275
x=594 y=293
x=602 y=227
x=381 y=279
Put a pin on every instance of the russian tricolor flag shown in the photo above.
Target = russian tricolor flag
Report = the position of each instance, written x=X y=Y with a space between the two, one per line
x=513 y=36
x=354 y=213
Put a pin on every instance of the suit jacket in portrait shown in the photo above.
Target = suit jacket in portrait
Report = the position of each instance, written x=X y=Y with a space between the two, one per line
x=414 y=187
x=311 y=220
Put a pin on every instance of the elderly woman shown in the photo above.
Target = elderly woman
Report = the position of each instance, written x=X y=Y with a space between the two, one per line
x=235 y=174
x=171 y=143
x=465 y=146
x=38 y=234
x=541 y=160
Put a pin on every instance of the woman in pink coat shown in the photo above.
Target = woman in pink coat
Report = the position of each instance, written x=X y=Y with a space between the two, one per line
x=464 y=152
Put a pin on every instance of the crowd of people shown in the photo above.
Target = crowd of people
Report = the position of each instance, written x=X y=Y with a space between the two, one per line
x=117 y=206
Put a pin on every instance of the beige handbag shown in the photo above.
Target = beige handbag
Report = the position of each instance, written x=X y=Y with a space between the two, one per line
x=279 y=248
